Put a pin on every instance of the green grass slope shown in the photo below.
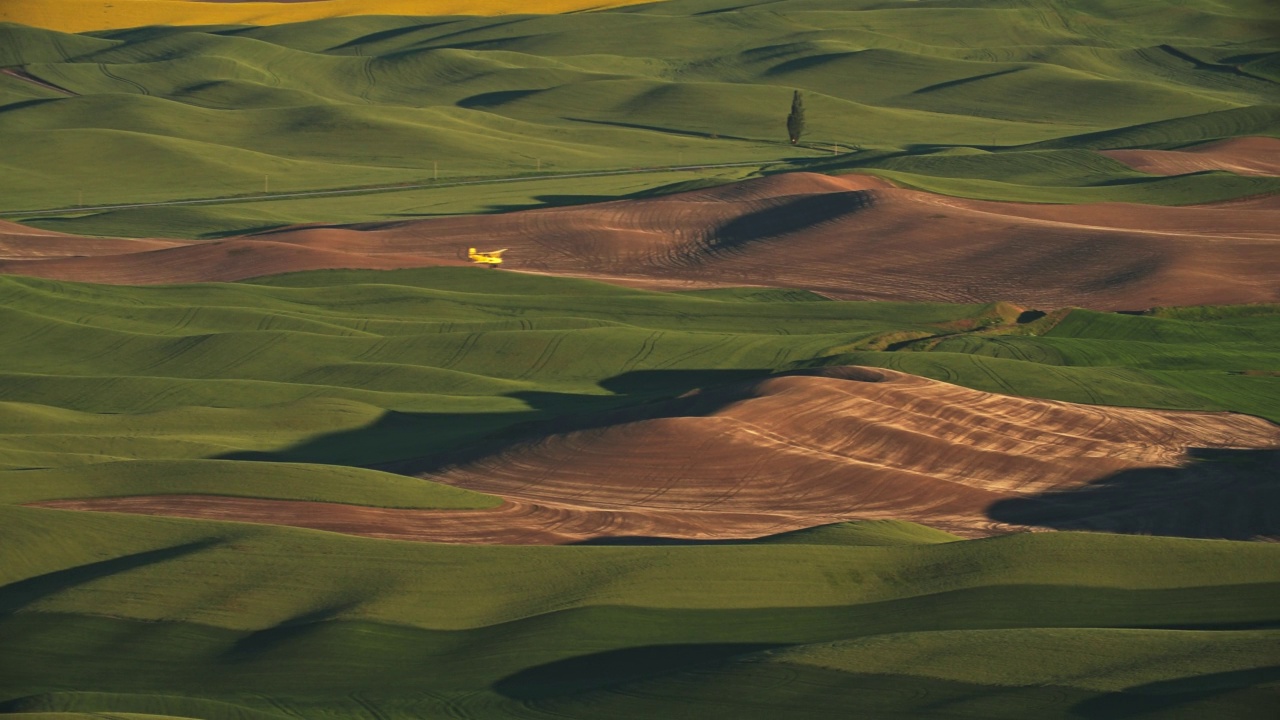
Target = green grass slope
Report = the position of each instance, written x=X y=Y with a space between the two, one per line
x=212 y=111
x=356 y=367
x=102 y=613
x=1047 y=176
x=278 y=481
x=278 y=388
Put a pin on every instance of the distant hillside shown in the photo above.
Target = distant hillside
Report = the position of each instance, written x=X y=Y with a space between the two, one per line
x=89 y=15
x=992 y=101
x=850 y=237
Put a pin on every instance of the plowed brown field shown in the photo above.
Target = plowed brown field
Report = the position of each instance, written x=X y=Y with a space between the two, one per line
x=852 y=237
x=1243 y=156
x=800 y=450
x=19 y=242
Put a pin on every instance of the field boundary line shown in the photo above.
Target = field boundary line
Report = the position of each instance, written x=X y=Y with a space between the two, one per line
x=261 y=197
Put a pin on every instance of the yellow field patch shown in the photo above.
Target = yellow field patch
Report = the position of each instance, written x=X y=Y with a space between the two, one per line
x=89 y=15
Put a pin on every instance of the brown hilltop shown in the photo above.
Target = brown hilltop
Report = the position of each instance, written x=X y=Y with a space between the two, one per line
x=853 y=237
x=800 y=450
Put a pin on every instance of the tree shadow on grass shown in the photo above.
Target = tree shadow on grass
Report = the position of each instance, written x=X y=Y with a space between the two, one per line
x=1218 y=493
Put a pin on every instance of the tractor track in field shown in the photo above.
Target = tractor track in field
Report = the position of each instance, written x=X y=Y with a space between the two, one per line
x=135 y=85
x=544 y=357
x=646 y=349
x=462 y=350
x=366 y=70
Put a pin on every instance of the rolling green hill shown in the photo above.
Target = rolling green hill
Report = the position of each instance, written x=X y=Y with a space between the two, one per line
x=277 y=388
x=213 y=620
x=224 y=111
x=359 y=367
x=293 y=387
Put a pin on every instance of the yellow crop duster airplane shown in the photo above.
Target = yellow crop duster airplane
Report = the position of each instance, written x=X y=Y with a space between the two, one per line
x=493 y=258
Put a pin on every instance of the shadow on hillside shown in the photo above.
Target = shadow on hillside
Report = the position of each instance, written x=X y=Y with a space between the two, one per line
x=550 y=201
x=788 y=217
x=1235 y=693
x=539 y=202
x=90 y=222
x=1228 y=494
x=807 y=62
x=294 y=628
x=804 y=691
x=436 y=44
x=667 y=130
x=17 y=595
x=384 y=35
x=495 y=99
x=964 y=81
x=420 y=442
x=861 y=158
x=21 y=104
x=598 y=670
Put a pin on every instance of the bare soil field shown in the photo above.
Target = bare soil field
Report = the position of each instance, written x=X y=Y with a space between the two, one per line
x=850 y=237
x=1243 y=156
x=171 y=262
x=20 y=242
x=806 y=449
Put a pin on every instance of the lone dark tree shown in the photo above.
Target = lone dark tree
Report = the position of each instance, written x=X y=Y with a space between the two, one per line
x=795 y=121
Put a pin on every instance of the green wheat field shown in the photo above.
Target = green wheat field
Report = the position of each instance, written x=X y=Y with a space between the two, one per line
x=294 y=387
